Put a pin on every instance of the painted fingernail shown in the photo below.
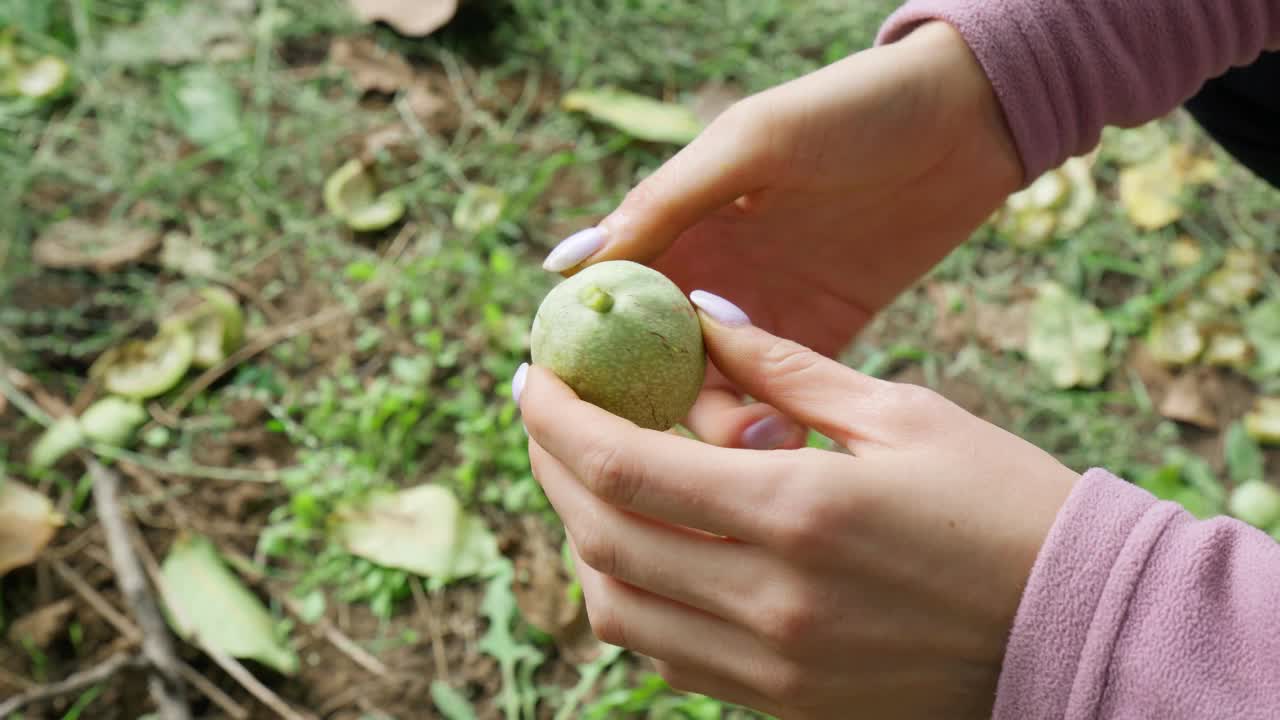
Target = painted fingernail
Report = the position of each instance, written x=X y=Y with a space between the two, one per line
x=768 y=433
x=517 y=382
x=719 y=309
x=574 y=249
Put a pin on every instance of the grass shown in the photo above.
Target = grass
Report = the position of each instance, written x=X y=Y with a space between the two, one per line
x=413 y=388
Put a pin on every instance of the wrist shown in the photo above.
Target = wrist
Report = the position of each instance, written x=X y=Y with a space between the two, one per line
x=968 y=112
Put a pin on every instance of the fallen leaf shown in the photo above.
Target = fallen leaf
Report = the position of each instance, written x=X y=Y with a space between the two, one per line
x=75 y=243
x=479 y=208
x=1058 y=202
x=1263 y=421
x=414 y=18
x=350 y=195
x=1004 y=327
x=215 y=321
x=1151 y=194
x=208 y=605
x=1184 y=252
x=1083 y=194
x=424 y=102
x=1130 y=146
x=1175 y=338
x=959 y=315
x=1188 y=400
x=372 y=68
x=60 y=438
x=1262 y=328
x=145 y=368
x=112 y=420
x=639 y=116
x=190 y=31
x=183 y=254
x=577 y=641
x=27 y=524
x=45 y=78
x=1228 y=348
x=1256 y=503
x=1068 y=338
x=1237 y=281
x=423 y=530
x=205 y=107
x=39 y=627
x=543 y=587
x=1152 y=191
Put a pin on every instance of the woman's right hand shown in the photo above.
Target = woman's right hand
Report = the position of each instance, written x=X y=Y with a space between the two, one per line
x=815 y=203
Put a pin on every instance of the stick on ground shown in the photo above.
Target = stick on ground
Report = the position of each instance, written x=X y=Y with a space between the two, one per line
x=168 y=691
x=79 y=681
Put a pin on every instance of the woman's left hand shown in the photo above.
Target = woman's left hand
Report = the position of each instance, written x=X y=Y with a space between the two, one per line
x=803 y=583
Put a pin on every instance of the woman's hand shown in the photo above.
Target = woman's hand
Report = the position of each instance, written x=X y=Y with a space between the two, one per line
x=813 y=204
x=803 y=583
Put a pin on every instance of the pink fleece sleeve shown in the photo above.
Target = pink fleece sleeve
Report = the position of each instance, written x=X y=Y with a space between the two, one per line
x=1137 y=609
x=1064 y=69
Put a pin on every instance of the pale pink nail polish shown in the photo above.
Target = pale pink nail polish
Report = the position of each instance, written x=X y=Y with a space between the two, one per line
x=767 y=433
x=574 y=249
x=720 y=310
x=517 y=382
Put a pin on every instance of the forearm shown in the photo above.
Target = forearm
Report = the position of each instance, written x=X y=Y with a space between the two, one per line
x=1135 y=607
x=1065 y=69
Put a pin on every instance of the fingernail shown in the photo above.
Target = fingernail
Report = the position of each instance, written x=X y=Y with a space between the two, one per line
x=768 y=433
x=517 y=382
x=719 y=309
x=574 y=249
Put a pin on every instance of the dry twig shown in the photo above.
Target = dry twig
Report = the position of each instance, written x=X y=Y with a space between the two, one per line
x=430 y=616
x=340 y=640
x=95 y=600
x=166 y=686
x=78 y=681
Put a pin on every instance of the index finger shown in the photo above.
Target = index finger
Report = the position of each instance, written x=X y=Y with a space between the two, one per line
x=725 y=491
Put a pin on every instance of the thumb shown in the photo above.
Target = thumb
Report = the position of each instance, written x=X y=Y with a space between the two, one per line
x=803 y=384
x=722 y=164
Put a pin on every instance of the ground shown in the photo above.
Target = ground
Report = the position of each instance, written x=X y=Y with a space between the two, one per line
x=380 y=358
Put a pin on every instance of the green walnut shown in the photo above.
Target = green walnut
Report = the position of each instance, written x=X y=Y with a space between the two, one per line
x=626 y=339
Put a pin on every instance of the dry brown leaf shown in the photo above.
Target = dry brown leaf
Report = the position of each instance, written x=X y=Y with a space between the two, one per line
x=27 y=524
x=184 y=254
x=576 y=641
x=409 y=17
x=1152 y=191
x=78 y=243
x=1185 y=252
x=1229 y=347
x=1002 y=327
x=541 y=590
x=376 y=69
x=371 y=67
x=39 y=627
x=1189 y=400
x=423 y=100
